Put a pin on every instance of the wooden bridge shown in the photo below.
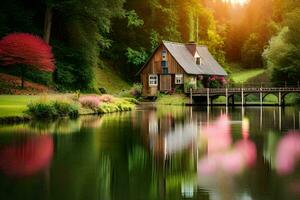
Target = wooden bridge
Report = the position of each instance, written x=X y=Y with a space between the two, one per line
x=243 y=92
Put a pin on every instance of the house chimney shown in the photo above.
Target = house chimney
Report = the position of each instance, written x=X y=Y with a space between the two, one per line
x=192 y=47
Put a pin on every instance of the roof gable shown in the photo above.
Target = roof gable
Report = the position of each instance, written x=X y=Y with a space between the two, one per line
x=179 y=51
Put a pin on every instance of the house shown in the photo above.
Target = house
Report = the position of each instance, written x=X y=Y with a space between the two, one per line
x=176 y=65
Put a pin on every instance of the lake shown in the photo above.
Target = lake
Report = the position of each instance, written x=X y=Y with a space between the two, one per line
x=155 y=153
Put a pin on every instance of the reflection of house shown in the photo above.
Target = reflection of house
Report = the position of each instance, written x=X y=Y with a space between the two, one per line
x=166 y=135
x=174 y=65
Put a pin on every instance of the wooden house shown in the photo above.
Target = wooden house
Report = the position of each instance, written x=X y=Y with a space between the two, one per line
x=176 y=65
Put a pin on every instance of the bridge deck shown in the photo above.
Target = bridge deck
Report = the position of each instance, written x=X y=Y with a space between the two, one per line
x=230 y=91
x=211 y=93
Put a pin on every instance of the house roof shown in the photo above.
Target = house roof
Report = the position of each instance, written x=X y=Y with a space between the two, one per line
x=186 y=60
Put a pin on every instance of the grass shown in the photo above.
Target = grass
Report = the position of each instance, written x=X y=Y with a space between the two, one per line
x=245 y=75
x=106 y=78
x=14 y=105
x=175 y=99
x=241 y=75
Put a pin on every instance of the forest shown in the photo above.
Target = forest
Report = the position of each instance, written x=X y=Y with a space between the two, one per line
x=122 y=34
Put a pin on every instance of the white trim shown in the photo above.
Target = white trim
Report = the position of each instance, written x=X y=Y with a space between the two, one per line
x=178 y=79
x=153 y=80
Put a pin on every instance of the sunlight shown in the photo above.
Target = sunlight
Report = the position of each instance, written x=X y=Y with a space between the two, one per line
x=241 y=2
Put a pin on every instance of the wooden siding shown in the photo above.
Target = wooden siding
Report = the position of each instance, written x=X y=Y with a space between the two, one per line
x=154 y=67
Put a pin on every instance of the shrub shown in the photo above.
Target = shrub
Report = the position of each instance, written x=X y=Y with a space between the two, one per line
x=64 y=108
x=106 y=98
x=41 y=110
x=91 y=102
x=52 y=109
x=107 y=108
x=136 y=90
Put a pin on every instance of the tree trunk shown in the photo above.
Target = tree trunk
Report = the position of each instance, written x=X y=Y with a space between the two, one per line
x=47 y=24
x=22 y=76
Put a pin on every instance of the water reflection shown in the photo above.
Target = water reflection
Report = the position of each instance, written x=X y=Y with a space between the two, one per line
x=155 y=153
x=27 y=156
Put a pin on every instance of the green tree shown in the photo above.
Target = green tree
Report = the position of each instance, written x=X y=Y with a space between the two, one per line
x=251 y=52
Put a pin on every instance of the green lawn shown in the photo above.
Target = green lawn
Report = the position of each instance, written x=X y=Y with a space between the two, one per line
x=14 y=105
x=244 y=76
x=175 y=99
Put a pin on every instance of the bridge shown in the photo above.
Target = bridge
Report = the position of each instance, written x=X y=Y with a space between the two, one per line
x=230 y=92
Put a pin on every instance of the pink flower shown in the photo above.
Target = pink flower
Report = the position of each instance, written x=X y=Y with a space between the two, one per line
x=91 y=102
x=288 y=153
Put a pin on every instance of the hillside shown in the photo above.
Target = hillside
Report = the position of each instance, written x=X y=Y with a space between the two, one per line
x=107 y=78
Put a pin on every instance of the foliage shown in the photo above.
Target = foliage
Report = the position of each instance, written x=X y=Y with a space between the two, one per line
x=45 y=109
x=26 y=49
x=134 y=92
x=133 y=19
x=117 y=106
x=282 y=55
x=91 y=102
x=216 y=82
x=251 y=52
x=136 y=57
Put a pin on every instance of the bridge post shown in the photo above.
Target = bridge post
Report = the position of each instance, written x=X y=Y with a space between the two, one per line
x=261 y=97
x=226 y=94
x=242 y=96
x=279 y=99
x=208 y=103
x=191 y=95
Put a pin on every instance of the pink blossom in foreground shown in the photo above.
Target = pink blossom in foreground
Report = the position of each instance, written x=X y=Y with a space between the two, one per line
x=221 y=155
x=288 y=153
x=218 y=135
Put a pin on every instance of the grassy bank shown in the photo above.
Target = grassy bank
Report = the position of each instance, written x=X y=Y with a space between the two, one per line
x=42 y=106
x=175 y=99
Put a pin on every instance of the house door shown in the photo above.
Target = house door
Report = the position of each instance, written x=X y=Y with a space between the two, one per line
x=165 y=83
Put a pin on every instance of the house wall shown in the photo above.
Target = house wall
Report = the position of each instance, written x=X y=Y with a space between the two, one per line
x=154 y=67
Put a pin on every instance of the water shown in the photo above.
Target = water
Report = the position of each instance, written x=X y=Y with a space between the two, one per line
x=155 y=153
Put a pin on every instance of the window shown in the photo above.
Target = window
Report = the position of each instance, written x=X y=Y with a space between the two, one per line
x=165 y=70
x=164 y=63
x=198 y=60
x=153 y=80
x=179 y=79
x=164 y=55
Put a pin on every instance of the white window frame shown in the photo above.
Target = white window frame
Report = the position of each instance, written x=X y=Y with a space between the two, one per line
x=178 y=79
x=153 y=80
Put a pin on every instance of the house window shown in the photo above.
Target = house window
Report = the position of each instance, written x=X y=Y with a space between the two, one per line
x=199 y=61
x=164 y=63
x=179 y=79
x=153 y=80
x=165 y=70
x=164 y=55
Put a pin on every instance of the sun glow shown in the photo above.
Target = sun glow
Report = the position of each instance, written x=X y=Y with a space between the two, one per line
x=241 y=2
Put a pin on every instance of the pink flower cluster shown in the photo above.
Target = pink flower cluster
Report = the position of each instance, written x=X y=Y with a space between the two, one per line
x=220 y=79
x=91 y=102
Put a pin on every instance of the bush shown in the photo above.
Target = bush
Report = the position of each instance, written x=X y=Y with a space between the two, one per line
x=106 y=98
x=91 y=102
x=52 y=109
x=117 y=106
x=64 y=108
x=135 y=91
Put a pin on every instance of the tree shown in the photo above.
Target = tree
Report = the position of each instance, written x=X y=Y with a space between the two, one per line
x=251 y=52
x=26 y=50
